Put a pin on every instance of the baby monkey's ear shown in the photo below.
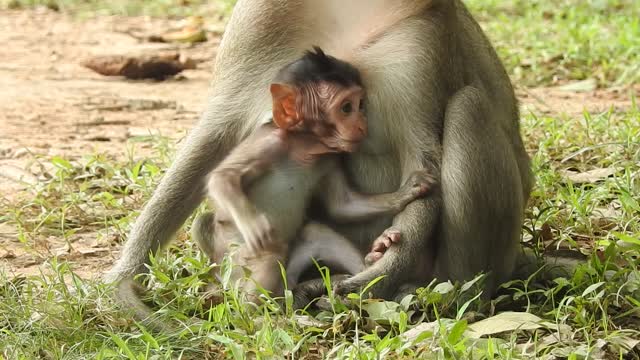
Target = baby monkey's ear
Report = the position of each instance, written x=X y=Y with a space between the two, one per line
x=285 y=114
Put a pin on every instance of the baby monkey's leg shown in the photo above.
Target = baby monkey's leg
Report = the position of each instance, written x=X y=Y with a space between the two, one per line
x=264 y=266
x=320 y=242
x=202 y=233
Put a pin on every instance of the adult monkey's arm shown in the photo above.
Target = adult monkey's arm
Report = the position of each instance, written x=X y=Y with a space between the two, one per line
x=248 y=55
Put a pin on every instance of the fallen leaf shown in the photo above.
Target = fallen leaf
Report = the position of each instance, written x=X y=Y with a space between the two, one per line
x=507 y=321
x=100 y=138
x=63 y=251
x=17 y=174
x=625 y=344
x=93 y=251
x=415 y=333
x=7 y=254
x=192 y=32
x=187 y=35
x=588 y=177
x=586 y=85
x=307 y=321
x=140 y=67
x=133 y=132
x=545 y=232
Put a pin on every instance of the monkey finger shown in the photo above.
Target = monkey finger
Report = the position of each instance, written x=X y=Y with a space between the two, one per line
x=421 y=182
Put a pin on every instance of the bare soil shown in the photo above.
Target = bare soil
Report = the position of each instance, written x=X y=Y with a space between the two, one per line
x=51 y=105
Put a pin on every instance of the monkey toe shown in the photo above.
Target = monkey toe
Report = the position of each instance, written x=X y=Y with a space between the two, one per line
x=389 y=237
x=343 y=288
x=381 y=244
x=392 y=235
x=372 y=257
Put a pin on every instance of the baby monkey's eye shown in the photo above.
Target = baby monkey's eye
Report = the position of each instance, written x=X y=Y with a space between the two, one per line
x=361 y=108
x=347 y=107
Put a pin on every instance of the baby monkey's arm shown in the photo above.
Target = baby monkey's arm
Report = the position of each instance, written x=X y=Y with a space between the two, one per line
x=246 y=163
x=346 y=205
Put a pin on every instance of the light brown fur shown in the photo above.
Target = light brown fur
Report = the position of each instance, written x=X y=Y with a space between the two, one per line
x=261 y=196
x=438 y=98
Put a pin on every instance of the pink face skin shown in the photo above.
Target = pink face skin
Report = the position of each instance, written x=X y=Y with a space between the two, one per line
x=333 y=114
x=336 y=115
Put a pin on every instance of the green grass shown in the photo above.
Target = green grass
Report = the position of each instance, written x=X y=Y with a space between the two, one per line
x=545 y=42
x=593 y=313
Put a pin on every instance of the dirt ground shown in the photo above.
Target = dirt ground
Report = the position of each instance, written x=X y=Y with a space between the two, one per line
x=51 y=105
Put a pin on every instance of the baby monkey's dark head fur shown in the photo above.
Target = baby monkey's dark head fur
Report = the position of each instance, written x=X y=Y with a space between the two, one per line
x=316 y=66
x=321 y=95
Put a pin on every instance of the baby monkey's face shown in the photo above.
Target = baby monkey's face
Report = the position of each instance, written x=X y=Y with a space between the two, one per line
x=338 y=118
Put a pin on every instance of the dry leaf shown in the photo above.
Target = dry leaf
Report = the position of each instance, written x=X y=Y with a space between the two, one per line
x=545 y=232
x=140 y=67
x=192 y=32
x=187 y=35
x=142 y=132
x=507 y=321
x=93 y=251
x=7 y=254
x=588 y=177
x=413 y=334
x=586 y=85
x=306 y=321
x=17 y=174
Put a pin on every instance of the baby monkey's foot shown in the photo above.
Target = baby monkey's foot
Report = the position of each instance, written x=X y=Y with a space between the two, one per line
x=381 y=244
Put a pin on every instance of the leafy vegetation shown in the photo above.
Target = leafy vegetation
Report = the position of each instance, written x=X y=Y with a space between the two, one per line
x=544 y=42
x=586 y=197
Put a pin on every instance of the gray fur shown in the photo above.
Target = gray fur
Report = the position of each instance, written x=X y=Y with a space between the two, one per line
x=438 y=98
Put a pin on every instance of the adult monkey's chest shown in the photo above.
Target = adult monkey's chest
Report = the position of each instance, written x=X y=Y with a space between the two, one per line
x=386 y=42
x=373 y=174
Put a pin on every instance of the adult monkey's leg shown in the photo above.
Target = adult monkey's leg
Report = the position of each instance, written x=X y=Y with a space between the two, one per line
x=483 y=192
x=481 y=210
x=247 y=58
x=474 y=225
x=179 y=193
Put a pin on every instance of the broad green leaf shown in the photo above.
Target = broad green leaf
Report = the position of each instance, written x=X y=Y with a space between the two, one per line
x=444 y=288
x=455 y=334
x=507 y=321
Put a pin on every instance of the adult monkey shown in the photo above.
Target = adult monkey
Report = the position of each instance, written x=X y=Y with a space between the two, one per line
x=438 y=98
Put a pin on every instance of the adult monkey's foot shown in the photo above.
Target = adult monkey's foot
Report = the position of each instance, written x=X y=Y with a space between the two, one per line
x=381 y=244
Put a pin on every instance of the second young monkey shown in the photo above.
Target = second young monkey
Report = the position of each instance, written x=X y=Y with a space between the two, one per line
x=263 y=188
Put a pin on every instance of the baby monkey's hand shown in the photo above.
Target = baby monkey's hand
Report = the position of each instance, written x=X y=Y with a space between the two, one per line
x=258 y=233
x=418 y=184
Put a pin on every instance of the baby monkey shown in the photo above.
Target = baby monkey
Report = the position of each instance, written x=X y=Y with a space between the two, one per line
x=263 y=188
